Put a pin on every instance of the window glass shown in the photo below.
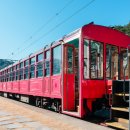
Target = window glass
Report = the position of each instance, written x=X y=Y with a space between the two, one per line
x=96 y=61
x=40 y=57
x=47 y=54
x=26 y=73
x=57 y=60
x=26 y=62
x=108 y=61
x=32 y=71
x=21 y=65
x=70 y=59
x=40 y=69
x=123 y=63
x=20 y=74
x=111 y=62
x=13 y=76
x=47 y=63
x=86 y=59
x=17 y=75
x=17 y=66
x=32 y=61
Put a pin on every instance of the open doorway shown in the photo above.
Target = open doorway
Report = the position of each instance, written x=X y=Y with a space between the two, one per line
x=71 y=76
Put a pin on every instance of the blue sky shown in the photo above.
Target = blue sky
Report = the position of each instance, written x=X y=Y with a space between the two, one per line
x=24 y=24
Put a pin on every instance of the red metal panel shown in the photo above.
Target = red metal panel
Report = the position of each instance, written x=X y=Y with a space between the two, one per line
x=36 y=86
x=16 y=86
x=69 y=92
x=56 y=86
x=24 y=86
x=93 y=88
x=46 y=86
x=1 y=86
x=9 y=86
x=4 y=86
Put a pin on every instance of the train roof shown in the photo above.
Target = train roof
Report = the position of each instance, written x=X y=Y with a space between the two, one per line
x=106 y=35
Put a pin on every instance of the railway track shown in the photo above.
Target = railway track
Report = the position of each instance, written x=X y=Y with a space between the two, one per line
x=20 y=116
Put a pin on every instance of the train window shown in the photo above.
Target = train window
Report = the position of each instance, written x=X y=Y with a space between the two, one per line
x=86 y=59
x=6 y=77
x=32 y=71
x=13 y=76
x=17 y=66
x=32 y=60
x=32 y=67
x=40 y=69
x=40 y=57
x=70 y=59
x=3 y=77
x=21 y=71
x=47 y=63
x=108 y=61
x=0 y=76
x=21 y=74
x=111 y=62
x=21 y=65
x=17 y=75
x=26 y=63
x=26 y=73
x=123 y=63
x=26 y=69
x=57 y=60
x=96 y=62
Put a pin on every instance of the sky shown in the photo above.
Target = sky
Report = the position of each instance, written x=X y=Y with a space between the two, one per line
x=26 y=26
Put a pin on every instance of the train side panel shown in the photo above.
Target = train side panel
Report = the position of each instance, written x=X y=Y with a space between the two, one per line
x=56 y=89
x=36 y=86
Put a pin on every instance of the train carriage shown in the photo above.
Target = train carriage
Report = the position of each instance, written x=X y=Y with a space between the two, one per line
x=73 y=75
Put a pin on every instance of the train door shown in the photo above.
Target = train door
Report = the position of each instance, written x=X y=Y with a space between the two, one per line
x=70 y=81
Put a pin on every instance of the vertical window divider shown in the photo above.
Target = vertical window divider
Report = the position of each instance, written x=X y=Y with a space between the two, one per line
x=51 y=61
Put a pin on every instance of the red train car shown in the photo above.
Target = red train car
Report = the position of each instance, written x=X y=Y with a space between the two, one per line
x=73 y=75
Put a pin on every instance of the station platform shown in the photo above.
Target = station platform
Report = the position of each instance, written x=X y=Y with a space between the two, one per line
x=15 y=115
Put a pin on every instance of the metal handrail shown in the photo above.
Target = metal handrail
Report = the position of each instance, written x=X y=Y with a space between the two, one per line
x=124 y=97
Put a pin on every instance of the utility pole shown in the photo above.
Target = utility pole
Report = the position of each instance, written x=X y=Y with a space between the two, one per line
x=128 y=51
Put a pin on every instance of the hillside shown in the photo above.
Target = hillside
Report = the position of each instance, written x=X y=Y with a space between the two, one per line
x=5 y=62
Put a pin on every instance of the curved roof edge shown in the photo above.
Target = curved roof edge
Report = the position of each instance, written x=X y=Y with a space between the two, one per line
x=105 y=34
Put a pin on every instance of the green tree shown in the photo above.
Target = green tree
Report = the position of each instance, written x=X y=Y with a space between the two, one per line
x=125 y=29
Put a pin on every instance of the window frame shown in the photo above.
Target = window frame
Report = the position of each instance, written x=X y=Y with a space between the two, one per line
x=59 y=45
x=40 y=62
x=86 y=58
x=118 y=64
x=90 y=41
x=49 y=60
x=32 y=64
x=21 y=69
x=26 y=66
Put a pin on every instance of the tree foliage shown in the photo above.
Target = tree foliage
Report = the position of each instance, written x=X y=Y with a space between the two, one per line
x=125 y=29
x=4 y=63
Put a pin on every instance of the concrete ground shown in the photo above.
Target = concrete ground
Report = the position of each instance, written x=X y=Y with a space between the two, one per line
x=15 y=115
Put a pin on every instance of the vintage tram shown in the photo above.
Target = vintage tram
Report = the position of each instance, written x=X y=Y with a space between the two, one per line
x=72 y=75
